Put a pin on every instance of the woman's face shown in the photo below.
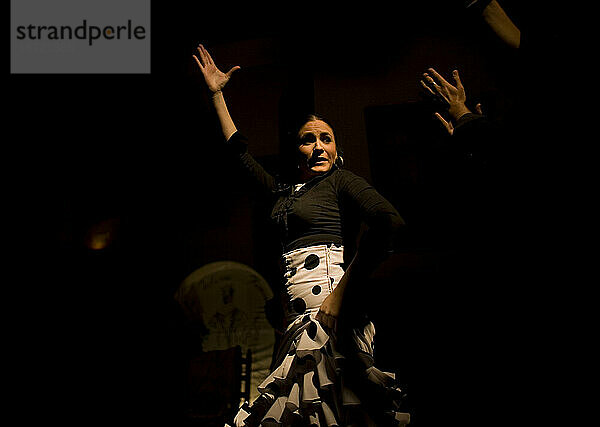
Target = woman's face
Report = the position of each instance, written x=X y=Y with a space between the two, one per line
x=317 y=148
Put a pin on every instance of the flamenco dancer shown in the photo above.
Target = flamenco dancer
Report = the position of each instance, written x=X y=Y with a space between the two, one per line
x=324 y=371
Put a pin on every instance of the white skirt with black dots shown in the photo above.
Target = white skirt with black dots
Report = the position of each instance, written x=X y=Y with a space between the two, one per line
x=321 y=378
x=310 y=275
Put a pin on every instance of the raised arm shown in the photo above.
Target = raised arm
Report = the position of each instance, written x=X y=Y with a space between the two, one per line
x=472 y=133
x=216 y=81
x=501 y=24
x=453 y=95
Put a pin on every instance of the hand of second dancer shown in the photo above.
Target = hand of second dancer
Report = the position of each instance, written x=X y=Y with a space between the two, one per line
x=453 y=95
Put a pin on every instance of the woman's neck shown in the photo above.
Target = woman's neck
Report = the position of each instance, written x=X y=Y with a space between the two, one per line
x=304 y=176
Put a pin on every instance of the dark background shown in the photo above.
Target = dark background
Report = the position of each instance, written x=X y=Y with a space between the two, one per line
x=97 y=332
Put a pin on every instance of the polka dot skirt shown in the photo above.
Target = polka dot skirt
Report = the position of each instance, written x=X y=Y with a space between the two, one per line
x=316 y=383
x=310 y=275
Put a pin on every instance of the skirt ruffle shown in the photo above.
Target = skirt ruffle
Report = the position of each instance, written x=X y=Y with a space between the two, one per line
x=315 y=383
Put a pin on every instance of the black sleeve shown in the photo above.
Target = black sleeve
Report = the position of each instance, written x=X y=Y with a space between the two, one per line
x=237 y=144
x=469 y=181
x=383 y=221
x=475 y=140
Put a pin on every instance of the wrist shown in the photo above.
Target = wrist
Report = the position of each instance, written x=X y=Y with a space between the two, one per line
x=457 y=111
x=218 y=100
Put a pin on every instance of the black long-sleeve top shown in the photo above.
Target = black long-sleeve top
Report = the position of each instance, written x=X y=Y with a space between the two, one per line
x=315 y=213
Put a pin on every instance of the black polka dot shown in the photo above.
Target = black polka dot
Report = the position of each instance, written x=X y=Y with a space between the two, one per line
x=331 y=278
x=299 y=305
x=316 y=290
x=311 y=261
x=312 y=330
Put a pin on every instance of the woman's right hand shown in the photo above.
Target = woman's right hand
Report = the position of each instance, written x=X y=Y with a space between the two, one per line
x=215 y=79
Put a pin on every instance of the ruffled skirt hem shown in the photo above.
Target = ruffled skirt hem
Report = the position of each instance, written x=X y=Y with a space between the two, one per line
x=313 y=384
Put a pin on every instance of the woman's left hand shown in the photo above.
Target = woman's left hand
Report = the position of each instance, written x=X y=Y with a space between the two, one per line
x=330 y=310
x=331 y=306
